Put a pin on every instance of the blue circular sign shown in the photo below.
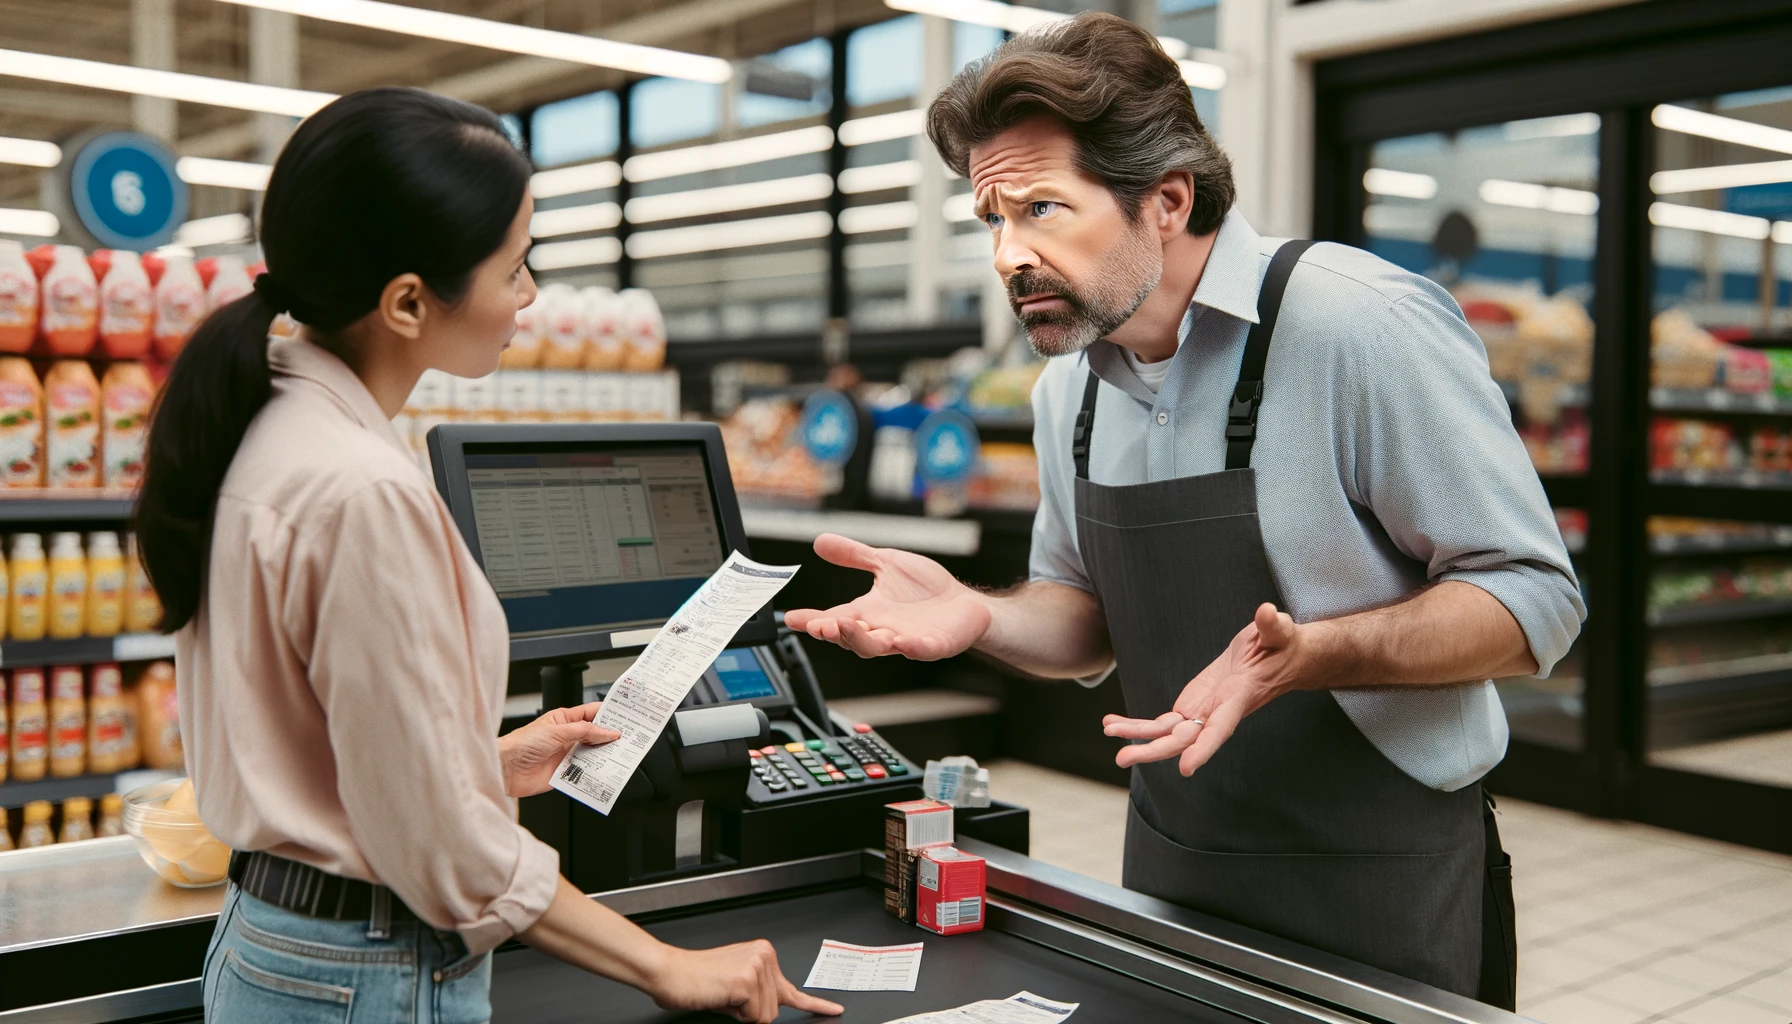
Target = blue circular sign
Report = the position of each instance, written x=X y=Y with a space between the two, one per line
x=125 y=192
x=946 y=447
x=830 y=427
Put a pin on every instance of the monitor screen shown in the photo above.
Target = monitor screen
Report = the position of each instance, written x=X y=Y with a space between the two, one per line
x=578 y=537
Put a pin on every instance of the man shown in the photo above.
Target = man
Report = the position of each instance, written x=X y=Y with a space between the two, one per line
x=1307 y=559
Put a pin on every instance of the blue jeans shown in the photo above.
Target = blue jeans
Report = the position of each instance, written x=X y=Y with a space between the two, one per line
x=269 y=965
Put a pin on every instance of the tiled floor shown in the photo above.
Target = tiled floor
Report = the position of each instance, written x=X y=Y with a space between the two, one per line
x=1759 y=757
x=1617 y=923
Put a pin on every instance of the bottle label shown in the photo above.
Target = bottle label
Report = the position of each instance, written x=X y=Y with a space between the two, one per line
x=69 y=736
x=107 y=583
x=21 y=441
x=31 y=584
x=126 y=307
x=74 y=438
x=179 y=308
x=65 y=684
x=18 y=299
x=30 y=737
x=71 y=584
x=70 y=304
x=108 y=732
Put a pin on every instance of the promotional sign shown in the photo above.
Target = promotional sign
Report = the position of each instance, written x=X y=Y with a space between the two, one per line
x=1772 y=201
x=946 y=447
x=122 y=189
x=830 y=427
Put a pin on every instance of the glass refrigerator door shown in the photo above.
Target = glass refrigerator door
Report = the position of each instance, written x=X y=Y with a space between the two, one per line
x=1719 y=664
x=1505 y=217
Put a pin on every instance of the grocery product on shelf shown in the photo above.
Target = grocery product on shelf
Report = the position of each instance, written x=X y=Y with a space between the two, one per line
x=644 y=329
x=1558 y=446
x=766 y=457
x=18 y=298
x=1540 y=345
x=28 y=593
x=111 y=816
x=105 y=585
x=36 y=828
x=563 y=330
x=68 y=722
x=110 y=735
x=69 y=311
x=604 y=342
x=159 y=717
x=1686 y=444
x=127 y=307
x=230 y=282
x=142 y=608
x=1757 y=579
x=126 y=395
x=72 y=397
x=30 y=741
x=524 y=350
x=180 y=305
x=1668 y=534
x=1681 y=353
x=1004 y=390
x=77 y=819
x=68 y=587
x=1572 y=524
x=21 y=424
x=1007 y=477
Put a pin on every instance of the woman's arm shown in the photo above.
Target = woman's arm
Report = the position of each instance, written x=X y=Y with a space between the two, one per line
x=742 y=979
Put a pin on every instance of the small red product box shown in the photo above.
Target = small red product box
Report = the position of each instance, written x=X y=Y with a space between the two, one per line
x=949 y=890
x=910 y=826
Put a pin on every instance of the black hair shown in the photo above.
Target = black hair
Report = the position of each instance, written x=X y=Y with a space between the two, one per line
x=377 y=184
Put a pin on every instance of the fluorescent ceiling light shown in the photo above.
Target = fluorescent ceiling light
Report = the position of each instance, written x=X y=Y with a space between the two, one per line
x=585 y=252
x=1552 y=127
x=224 y=229
x=1782 y=232
x=728 y=198
x=877 y=177
x=738 y=153
x=1723 y=129
x=572 y=220
x=1704 y=179
x=900 y=124
x=499 y=35
x=29 y=152
x=1528 y=196
x=35 y=223
x=1712 y=222
x=1202 y=74
x=172 y=85
x=960 y=208
x=566 y=181
x=199 y=170
x=859 y=220
x=792 y=227
x=1384 y=181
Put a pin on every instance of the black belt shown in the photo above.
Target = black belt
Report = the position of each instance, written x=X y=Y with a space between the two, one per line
x=303 y=889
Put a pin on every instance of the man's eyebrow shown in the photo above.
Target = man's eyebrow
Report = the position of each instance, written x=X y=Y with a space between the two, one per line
x=1032 y=193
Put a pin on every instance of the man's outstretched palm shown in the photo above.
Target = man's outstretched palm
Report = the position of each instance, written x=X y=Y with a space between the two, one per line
x=914 y=608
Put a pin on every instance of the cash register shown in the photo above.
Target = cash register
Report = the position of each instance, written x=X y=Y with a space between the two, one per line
x=593 y=535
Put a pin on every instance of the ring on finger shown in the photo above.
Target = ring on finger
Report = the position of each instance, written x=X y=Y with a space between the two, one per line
x=1197 y=722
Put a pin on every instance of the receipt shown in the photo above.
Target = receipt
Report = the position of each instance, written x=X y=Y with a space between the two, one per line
x=849 y=968
x=1019 y=1008
x=642 y=700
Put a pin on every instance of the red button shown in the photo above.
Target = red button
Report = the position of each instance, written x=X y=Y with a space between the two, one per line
x=861 y=727
x=875 y=771
x=768 y=750
x=837 y=775
x=754 y=753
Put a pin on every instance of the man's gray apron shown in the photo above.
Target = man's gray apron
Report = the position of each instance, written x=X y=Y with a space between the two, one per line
x=1298 y=826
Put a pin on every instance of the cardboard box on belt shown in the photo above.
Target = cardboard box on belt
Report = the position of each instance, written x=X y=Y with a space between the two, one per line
x=949 y=890
x=910 y=827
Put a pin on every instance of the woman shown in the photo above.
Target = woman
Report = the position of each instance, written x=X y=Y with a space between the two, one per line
x=342 y=659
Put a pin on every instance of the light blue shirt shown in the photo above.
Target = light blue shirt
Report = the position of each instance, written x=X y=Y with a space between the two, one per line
x=1385 y=458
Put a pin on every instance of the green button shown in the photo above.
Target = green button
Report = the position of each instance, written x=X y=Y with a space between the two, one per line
x=898 y=769
x=817 y=744
x=855 y=775
x=815 y=769
x=824 y=780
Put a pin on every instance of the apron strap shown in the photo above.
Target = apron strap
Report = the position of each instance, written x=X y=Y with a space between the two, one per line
x=1241 y=420
x=1085 y=425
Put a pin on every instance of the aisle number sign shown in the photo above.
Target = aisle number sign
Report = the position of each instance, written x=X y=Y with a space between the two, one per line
x=830 y=427
x=946 y=447
x=124 y=191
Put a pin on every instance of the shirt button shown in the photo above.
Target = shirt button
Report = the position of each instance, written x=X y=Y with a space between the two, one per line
x=1163 y=418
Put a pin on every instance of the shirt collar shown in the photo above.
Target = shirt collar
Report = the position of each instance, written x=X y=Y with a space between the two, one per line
x=298 y=356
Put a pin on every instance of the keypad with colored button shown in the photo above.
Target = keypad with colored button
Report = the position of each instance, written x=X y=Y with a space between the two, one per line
x=858 y=758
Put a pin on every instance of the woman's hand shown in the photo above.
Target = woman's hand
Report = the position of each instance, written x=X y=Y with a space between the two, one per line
x=742 y=980
x=529 y=755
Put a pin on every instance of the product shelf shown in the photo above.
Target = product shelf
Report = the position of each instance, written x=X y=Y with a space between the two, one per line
x=86 y=650
x=1674 y=495
x=1724 y=611
x=14 y=793
x=52 y=507
x=1573 y=396
x=1716 y=544
x=1686 y=707
x=1720 y=400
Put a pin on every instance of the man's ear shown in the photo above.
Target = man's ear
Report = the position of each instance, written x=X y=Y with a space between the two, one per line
x=1172 y=203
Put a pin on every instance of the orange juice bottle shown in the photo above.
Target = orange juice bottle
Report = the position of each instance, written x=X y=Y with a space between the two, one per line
x=72 y=396
x=105 y=584
x=106 y=721
x=142 y=608
x=111 y=816
x=126 y=393
x=21 y=424
x=68 y=722
x=26 y=618
x=68 y=586
x=30 y=725
x=37 y=826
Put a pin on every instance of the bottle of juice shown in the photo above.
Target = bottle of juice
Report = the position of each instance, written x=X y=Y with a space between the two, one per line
x=21 y=424
x=6 y=833
x=68 y=722
x=111 y=816
x=106 y=726
x=68 y=586
x=160 y=717
x=70 y=317
x=180 y=305
x=37 y=826
x=126 y=393
x=127 y=307
x=142 y=608
x=30 y=725
x=26 y=618
x=77 y=819
x=18 y=298
x=72 y=396
x=105 y=584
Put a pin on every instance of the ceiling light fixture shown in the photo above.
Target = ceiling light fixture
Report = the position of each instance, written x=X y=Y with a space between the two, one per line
x=736 y=234
x=199 y=170
x=1204 y=73
x=737 y=153
x=753 y=195
x=29 y=152
x=1385 y=181
x=584 y=252
x=32 y=223
x=1528 y=196
x=501 y=35
x=878 y=177
x=571 y=220
x=1724 y=129
x=172 y=85
x=900 y=124
x=566 y=181
x=224 y=229
x=1713 y=222
x=1706 y=179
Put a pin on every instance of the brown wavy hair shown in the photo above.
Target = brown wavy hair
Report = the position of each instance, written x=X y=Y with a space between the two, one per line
x=1117 y=92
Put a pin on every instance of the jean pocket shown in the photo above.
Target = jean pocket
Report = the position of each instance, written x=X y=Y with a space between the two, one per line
x=463 y=991
x=246 y=994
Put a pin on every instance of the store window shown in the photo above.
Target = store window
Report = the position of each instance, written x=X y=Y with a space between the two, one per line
x=582 y=128
x=1720 y=598
x=788 y=85
x=883 y=62
x=1505 y=216
x=666 y=110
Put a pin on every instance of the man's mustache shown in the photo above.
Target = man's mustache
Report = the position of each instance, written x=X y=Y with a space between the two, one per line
x=1029 y=285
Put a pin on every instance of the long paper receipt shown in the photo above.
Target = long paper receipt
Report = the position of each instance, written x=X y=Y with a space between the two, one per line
x=1019 y=1008
x=845 y=967
x=642 y=700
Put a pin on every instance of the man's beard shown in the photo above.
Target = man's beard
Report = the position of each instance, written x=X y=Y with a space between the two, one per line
x=1126 y=276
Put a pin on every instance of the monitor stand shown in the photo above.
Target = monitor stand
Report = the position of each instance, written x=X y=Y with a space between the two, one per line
x=563 y=686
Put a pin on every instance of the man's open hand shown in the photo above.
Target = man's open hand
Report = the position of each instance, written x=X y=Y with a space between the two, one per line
x=914 y=608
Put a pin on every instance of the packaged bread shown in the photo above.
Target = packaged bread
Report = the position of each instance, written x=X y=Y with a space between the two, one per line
x=644 y=329
x=607 y=347
x=563 y=327
x=1681 y=353
x=21 y=424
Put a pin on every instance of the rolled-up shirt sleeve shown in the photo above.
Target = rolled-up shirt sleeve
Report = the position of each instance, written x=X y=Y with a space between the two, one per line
x=1437 y=459
x=389 y=653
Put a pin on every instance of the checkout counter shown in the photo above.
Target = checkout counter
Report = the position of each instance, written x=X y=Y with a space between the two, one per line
x=758 y=812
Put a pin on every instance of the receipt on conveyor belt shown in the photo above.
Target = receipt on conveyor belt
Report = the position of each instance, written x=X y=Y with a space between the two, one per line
x=1019 y=1008
x=643 y=698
